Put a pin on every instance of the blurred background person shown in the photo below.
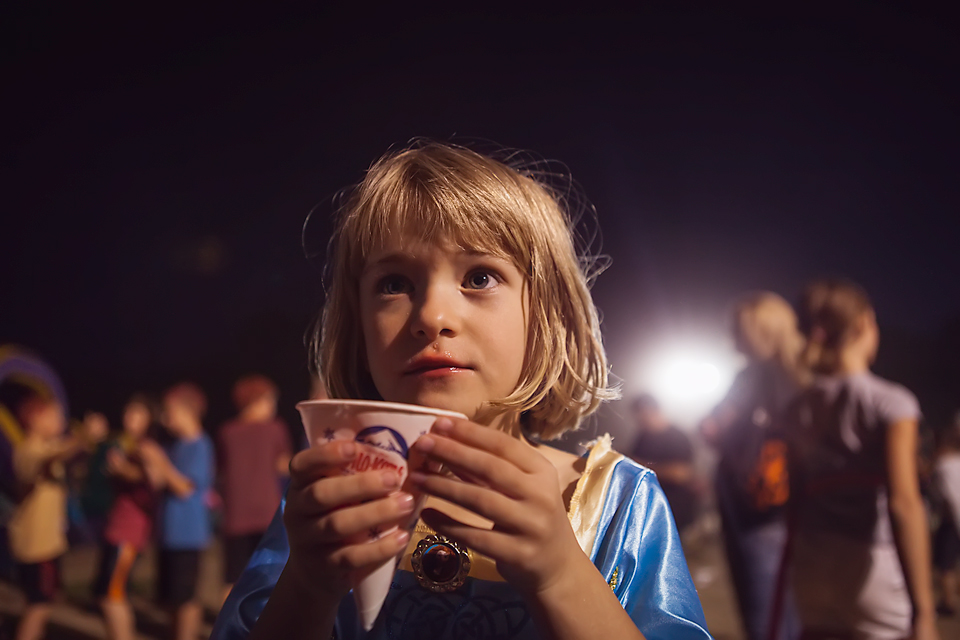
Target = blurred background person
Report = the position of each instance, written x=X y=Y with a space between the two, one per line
x=38 y=526
x=946 y=541
x=861 y=558
x=135 y=464
x=96 y=492
x=184 y=526
x=85 y=526
x=752 y=486
x=668 y=452
x=253 y=455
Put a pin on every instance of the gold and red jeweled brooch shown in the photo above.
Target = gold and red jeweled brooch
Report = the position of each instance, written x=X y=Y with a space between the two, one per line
x=440 y=564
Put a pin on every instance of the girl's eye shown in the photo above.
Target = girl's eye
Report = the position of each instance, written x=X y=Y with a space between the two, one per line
x=480 y=280
x=393 y=285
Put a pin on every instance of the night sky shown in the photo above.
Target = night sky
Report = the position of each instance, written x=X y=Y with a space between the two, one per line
x=158 y=168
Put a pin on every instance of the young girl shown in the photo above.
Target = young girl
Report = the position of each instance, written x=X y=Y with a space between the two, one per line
x=456 y=285
x=861 y=558
x=754 y=527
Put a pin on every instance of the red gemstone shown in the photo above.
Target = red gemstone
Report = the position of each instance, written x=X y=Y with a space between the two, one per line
x=440 y=563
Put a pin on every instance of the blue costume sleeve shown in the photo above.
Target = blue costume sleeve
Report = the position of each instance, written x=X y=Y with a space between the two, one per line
x=252 y=590
x=638 y=551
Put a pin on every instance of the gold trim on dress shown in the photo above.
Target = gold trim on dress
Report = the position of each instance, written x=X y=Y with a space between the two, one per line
x=588 y=499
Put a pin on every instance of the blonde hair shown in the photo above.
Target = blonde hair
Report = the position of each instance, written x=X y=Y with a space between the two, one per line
x=768 y=324
x=829 y=312
x=444 y=193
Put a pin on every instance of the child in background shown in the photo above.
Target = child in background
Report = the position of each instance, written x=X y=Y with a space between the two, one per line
x=184 y=519
x=946 y=543
x=456 y=285
x=253 y=453
x=135 y=463
x=861 y=558
x=86 y=515
x=38 y=527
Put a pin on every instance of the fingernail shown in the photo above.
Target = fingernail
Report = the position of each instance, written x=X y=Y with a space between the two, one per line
x=425 y=443
x=348 y=450
x=405 y=502
x=443 y=425
x=417 y=477
x=390 y=479
x=403 y=537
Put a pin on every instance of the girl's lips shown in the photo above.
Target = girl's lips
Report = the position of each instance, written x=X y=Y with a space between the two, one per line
x=434 y=366
x=437 y=372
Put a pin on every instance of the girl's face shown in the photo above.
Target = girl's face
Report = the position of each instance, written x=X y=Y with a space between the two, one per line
x=136 y=419
x=443 y=327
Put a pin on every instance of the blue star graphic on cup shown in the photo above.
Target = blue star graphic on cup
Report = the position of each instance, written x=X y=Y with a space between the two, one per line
x=329 y=434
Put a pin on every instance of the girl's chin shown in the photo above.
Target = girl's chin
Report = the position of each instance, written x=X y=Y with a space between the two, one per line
x=441 y=401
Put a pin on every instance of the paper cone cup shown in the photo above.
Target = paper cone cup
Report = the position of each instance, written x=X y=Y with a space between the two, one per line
x=384 y=431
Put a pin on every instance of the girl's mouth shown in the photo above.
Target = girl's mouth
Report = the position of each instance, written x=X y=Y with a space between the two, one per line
x=434 y=367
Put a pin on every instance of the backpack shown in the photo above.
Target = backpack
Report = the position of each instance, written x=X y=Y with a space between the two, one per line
x=754 y=460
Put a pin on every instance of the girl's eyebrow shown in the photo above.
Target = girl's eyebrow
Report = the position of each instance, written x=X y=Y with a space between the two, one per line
x=401 y=257
x=394 y=257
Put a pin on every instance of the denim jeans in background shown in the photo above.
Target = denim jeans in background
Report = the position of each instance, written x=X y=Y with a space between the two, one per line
x=754 y=554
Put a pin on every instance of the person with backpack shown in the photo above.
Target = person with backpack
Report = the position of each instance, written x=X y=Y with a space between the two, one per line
x=752 y=483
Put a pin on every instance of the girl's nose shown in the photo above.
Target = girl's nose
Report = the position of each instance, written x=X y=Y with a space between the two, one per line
x=436 y=314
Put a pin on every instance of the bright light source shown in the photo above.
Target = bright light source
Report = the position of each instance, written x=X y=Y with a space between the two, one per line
x=688 y=379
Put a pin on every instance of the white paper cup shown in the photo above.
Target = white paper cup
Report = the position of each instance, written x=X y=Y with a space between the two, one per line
x=384 y=431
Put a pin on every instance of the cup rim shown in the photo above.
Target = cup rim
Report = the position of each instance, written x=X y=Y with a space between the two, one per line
x=380 y=405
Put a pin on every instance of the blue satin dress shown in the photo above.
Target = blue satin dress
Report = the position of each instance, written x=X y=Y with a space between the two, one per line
x=622 y=521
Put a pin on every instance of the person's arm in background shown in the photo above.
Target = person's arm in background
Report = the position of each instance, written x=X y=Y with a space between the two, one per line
x=120 y=466
x=910 y=525
x=165 y=475
x=155 y=463
x=284 y=448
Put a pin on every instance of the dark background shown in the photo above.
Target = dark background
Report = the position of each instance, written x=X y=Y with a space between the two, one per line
x=158 y=168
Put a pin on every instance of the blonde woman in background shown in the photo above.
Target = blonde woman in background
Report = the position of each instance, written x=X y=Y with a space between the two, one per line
x=751 y=482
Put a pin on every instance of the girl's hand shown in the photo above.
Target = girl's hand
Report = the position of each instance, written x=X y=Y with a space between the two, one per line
x=326 y=512
x=509 y=483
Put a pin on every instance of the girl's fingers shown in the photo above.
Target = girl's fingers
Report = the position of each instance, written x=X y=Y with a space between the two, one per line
x=477 y=464
x=493 y=441
x=487 y=503
x=328 y=494
x=319 y=461
x=369 y=554
x=493 y=544
x=366 y=521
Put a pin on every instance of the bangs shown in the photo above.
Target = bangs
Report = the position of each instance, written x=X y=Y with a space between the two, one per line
x=423 y=198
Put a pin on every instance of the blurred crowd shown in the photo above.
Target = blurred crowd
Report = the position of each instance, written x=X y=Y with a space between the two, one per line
x=159 y=479
x=829 y=503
